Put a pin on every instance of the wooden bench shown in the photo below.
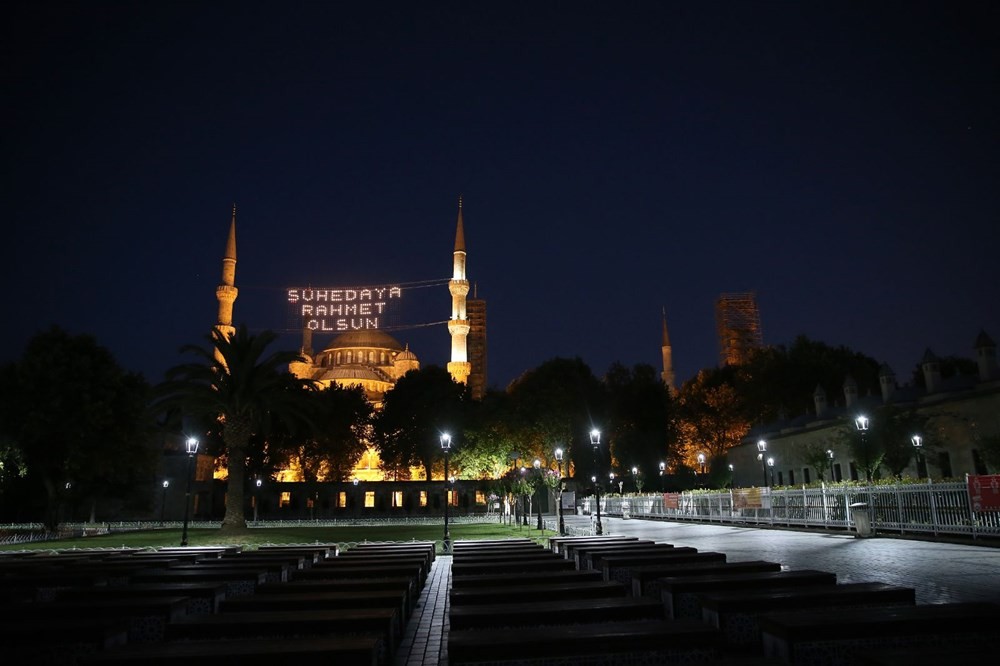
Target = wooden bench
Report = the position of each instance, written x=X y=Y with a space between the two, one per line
x=511 y=566
x=632 y=642
x=303 y=600
x=294 y=562
x=737 y=613
x=274 y=572
x=539 y=613
x=346 y=651
x=512 y=592
x=557 y=544
x=352 y=570
x=202 y=598
x=581 y=554
x=403 y=584
x=145 y=618
x=44 y=641
x=44 y=586
x=619 y=567
x=238 y=581
x=380 y=623
x=646 y=579
x=527 y=578
x=472 y=544
x=680 y=593
x=837 y=638
x=572 y=551
x=321 y=551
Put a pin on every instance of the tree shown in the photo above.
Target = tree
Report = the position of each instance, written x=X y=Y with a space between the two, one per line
x=246 y=392
x=642 y=424
x=817 y=456
x=72 y=419
x=423 y=405
x=712 y=416
x=341 y=420
x=489 y=439
x=557 y=404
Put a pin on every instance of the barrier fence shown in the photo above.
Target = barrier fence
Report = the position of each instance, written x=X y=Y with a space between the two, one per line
x=933 y=508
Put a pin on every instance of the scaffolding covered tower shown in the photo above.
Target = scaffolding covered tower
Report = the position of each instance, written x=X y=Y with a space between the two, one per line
x=737 y=321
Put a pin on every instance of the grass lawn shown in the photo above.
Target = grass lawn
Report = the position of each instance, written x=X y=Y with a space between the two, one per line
x=345 y=536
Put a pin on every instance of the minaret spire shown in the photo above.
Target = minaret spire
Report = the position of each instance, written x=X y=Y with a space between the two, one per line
x=668 y=360
x=458 y=325
x=226 y=292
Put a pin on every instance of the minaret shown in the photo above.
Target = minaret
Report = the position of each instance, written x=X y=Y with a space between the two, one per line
x=226 y=292
x=668 y=357
x=458 y=325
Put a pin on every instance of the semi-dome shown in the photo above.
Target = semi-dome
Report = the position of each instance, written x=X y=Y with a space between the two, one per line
x=346 y=375
x=371 y=338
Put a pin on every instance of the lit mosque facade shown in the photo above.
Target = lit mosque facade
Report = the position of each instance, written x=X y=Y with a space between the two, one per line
x=371 y=358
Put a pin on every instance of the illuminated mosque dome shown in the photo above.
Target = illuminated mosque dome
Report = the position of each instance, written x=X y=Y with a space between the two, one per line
x=370 y=358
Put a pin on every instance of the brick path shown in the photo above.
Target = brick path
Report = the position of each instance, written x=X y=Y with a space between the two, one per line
x=425 y=640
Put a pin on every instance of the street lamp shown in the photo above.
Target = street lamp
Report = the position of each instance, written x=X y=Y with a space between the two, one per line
x=163 y=501
x=256 y=499
x=762 y=448
x=446 y=447
x=538 y=498
x=770 y=464
x=862 y=425
x=663 y=469
x=559 y=509
x=595 y=441
x=192 y=448
x=701 y=462
x=918 y=447
x=732 y=474
x=830 y=456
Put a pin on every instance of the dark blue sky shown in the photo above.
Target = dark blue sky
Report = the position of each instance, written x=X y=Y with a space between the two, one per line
x=840 y=159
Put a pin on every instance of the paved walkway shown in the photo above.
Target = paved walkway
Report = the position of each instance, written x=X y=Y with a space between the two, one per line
x=939 y=572
x=425 y=640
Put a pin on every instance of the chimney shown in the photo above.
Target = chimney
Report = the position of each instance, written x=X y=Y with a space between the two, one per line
x=986 y=356
x=819 y=399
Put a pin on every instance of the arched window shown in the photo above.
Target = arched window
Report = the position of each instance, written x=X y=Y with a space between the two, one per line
x=338 y=358
x=350 y=357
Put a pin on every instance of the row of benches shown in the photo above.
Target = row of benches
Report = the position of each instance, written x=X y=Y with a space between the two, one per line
x=196 y=606
x=612 y=600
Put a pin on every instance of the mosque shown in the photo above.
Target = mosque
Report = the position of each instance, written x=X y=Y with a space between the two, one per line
x=370 y=357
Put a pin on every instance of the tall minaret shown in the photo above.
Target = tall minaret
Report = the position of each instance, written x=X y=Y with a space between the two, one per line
x=458 y=325
x=226 y=292
x=668 y=357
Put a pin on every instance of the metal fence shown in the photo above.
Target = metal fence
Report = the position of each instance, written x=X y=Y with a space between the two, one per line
x=933 y=508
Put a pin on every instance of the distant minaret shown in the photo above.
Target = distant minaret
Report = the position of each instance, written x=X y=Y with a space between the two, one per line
x=226 y=292
x=668 y=357
x=458 y=325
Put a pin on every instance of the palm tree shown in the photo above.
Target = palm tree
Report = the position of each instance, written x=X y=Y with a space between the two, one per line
x=235 y=384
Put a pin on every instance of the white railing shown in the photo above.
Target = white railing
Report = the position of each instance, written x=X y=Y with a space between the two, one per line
x=934 y=508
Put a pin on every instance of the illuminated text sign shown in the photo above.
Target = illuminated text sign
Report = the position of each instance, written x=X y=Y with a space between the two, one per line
x=343 y=308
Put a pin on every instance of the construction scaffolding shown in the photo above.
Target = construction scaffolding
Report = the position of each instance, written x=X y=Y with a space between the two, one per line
x=737 y=322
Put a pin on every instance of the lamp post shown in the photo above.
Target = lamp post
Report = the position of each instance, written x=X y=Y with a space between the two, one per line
x=918 y=447
x=770 y=464
x=663 y=470
x=256 y=499
x=862 y=425
x=446 y=447
x=701 y=463
x=192 y=448
x=830 y=456
x=762 y=449
x=732 y=474
x=163 y=501
x=595 y=441
x=538 y=498
x=559 y=507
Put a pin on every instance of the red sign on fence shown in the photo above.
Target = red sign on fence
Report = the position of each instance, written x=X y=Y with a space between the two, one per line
x=984 y=492
x=671 y=500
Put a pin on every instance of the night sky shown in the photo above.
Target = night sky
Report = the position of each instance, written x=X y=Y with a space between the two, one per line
x=840 y=159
